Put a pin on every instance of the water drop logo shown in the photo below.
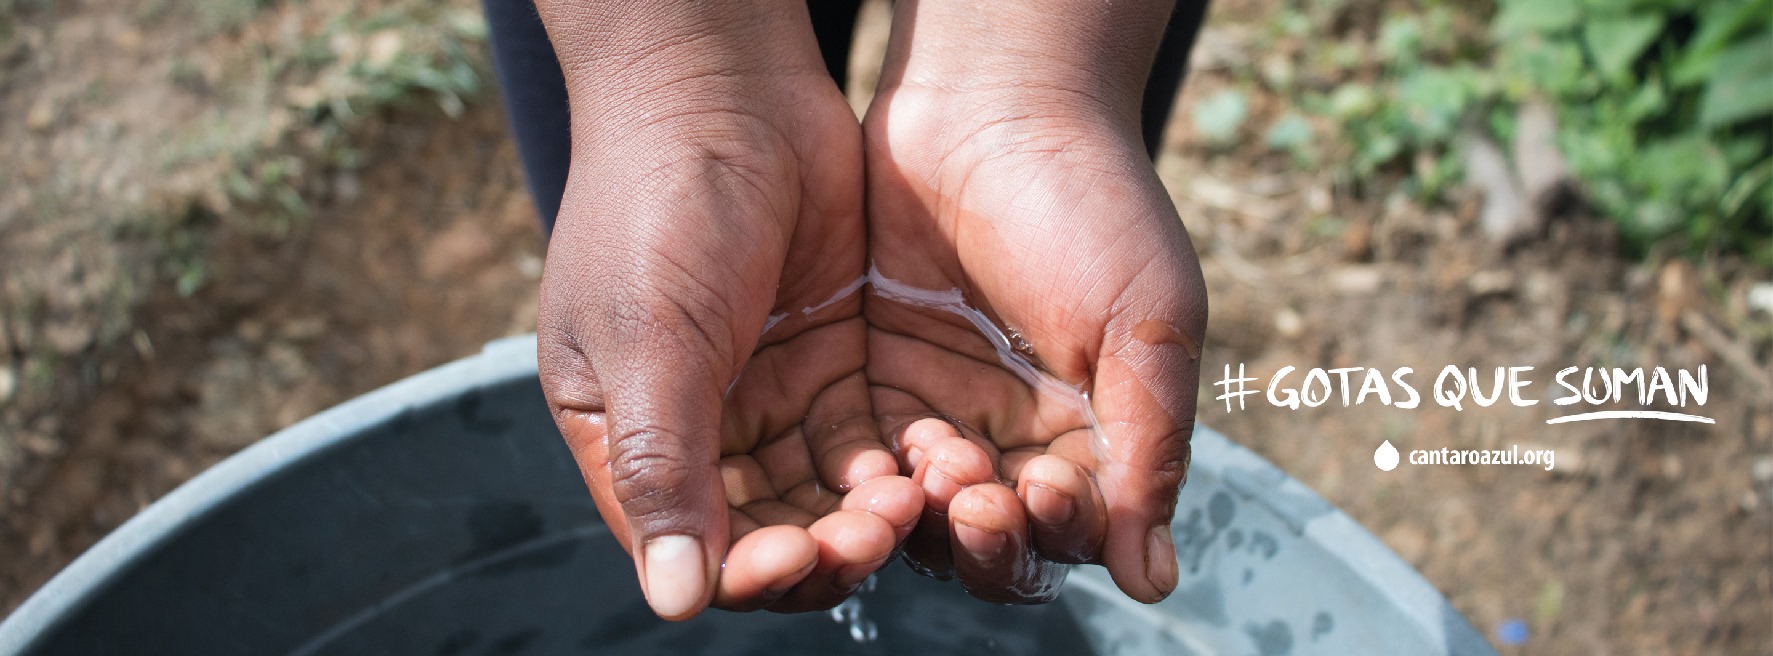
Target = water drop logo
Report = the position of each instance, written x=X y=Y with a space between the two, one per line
x=1385 y=456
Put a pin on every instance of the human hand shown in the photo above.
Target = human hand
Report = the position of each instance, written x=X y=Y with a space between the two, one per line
x=699 y=343
x=1026 y=191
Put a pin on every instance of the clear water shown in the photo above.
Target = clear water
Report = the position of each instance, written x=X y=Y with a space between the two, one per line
x=903 y=614
x=1009 y=345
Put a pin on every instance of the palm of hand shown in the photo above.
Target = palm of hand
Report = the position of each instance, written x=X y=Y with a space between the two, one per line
x=1061 y=238
x=751 y=295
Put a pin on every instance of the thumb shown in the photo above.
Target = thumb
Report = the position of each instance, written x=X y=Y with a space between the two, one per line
x=651 y=455
x=1144 y=398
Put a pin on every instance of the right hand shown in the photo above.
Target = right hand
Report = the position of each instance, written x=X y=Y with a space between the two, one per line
x=715 y=402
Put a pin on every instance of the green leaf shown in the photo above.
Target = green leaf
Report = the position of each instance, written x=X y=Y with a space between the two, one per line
x=1432 y=101
x=1550 y=602
x=1554 y=67
x=1289 y=132
x=1377 y=150
x=1649 y=101
x=1524 y=16
x=1400 y=39
x=1352 y=100
x=1719 y=23
x=1754 y=179
x=1687 y=167
x=1218 y=118
x=1615 y=43
x=1741 y=83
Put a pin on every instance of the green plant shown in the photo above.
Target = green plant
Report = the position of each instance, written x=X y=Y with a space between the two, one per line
x=1666 y=110
x=1664 y=107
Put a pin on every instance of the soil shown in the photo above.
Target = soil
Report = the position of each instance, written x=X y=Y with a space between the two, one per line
x=1647 y=537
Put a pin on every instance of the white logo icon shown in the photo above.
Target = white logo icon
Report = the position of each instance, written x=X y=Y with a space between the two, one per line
x=1385 y=456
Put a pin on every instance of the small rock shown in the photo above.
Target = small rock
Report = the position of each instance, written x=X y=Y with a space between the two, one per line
x=8 y=384
x=1288 y=323
x=303 y=329
x=1486 y=283
x=1760 y=297
x=383 y=47
x=40 y=445
x=40 y=116
x=1544 y=174
x=1762 y=470
x=1408 y=541
x=1356 y=280
x=1505 y=215
x=285 y=363
x=1538 y=287
x=1569 y=462
x=69 y=337
x=1677 y=289
x=251 y=331
x=529 y=266
x=1319 y=200
x=128 y=40
x=1671 y=466
x=347 y=186
x=144 y=346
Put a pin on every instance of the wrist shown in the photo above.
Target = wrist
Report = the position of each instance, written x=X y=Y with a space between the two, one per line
x=630 y=66
x=1054 y=53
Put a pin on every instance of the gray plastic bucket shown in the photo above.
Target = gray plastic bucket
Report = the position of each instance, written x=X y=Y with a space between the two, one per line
x=442 y=515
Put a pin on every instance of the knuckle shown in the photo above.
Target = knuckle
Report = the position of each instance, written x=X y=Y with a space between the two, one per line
x=648 y=474
x=1170 y=460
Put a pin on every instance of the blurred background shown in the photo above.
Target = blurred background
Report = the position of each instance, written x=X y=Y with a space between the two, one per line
x=220 y=217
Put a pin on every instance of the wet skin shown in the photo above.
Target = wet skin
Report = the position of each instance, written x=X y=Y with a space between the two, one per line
x=1056 y=229
x=753 y=454
x=716 y=182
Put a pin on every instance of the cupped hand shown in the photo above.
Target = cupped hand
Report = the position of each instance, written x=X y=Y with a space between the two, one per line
x=1034 y=332
x=700 y=343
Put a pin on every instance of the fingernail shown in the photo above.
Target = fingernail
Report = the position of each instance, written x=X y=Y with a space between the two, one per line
x=982 y=544
x=913 y=456
x=782 y=587
x=938 y=490
x=676 y=575
x=851 y=576
x=1049 y=506
x=1160 y=560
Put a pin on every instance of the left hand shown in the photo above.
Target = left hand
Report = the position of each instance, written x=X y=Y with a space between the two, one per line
x=1039 y=207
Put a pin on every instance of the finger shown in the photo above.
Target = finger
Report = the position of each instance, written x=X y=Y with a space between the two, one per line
x=664 y=395
x=894 y=499
x=851 y=545
x=932 y=435
x=1065 y=513
x=917 y=438
x=1144 y=397
x=586 y=435
x=949 y=465
x=764 y=565
x=992 y=555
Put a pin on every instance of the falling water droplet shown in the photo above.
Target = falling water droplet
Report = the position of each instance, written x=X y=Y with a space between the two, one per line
x=1385 y=456
x=864 y=631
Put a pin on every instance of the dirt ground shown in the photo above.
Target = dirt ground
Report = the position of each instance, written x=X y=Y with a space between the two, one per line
x=1647 y=538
